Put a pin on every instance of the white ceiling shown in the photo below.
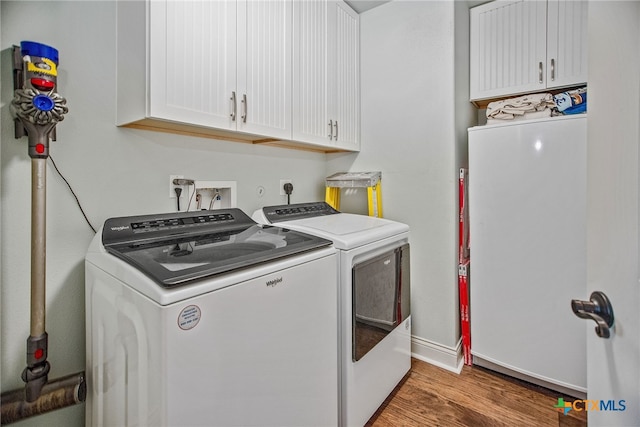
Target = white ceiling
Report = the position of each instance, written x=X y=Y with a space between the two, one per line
x=364 y=5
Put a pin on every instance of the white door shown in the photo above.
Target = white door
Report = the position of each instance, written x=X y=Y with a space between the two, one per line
x=612 y=210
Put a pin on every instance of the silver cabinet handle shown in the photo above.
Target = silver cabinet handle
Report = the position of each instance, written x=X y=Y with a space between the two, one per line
x=336 y=126
x=553 y=69
x=244 y=108
x=330 y=130
x=233 y=107
x=540 y=72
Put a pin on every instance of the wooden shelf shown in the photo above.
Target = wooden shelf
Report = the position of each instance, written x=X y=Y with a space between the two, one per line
x=202 y=132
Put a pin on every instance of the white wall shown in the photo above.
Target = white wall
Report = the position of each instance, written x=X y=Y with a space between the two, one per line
x=114 y=172
x=414 y=121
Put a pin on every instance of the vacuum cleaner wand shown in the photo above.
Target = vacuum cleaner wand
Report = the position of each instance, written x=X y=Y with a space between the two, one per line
x=38 y=108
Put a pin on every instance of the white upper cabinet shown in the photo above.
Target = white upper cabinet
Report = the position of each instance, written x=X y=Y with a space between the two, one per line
x=223 y=64
x=192 y=62
x=225 y=69
x=527 y=46
x=326 y=74
x=310 y=72
x=264 y=67
x=566 y=42
x=508 y=48
x=344 y=77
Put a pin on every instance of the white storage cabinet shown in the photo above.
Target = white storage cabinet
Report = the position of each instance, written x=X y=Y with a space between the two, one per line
x=326 y=74
x=527 y=46
x=216 y=64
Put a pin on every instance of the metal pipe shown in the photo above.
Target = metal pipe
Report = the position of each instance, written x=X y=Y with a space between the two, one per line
x=56 y=394
x=38 y=245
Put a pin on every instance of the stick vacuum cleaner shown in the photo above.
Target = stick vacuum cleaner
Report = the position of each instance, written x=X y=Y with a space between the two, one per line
x=37 y=108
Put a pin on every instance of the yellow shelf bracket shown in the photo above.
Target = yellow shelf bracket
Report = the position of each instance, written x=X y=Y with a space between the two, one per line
x=372 y=181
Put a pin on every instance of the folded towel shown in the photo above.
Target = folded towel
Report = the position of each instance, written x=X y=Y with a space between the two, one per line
x=509 y=109
x=526 y=116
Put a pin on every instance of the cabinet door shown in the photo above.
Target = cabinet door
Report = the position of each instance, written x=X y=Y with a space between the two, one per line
x=566 y=43
x=264 y=67
x=310 y=92
x=508 y=48
x=344 y=75
x=192 y=59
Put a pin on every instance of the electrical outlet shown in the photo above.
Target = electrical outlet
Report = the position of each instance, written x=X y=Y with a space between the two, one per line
x=172 y=186
x=282 y=183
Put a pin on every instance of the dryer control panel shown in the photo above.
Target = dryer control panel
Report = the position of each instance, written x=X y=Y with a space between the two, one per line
x=281 y=213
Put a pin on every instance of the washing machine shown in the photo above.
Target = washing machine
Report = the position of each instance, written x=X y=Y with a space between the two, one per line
x=374 y=289
x=209 y=319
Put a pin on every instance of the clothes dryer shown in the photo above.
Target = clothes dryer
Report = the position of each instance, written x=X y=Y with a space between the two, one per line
x=207 y=318
x=374 y=289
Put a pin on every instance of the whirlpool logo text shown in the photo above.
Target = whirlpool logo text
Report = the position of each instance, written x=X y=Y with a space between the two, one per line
x=274 y=282
x=590 y=405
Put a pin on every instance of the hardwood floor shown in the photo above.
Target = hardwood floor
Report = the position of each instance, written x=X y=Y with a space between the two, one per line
x=432 y=396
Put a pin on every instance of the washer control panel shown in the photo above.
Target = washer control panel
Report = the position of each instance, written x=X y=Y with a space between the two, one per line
x=126 y=229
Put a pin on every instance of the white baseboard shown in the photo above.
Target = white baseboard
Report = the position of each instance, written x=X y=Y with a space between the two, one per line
x=437 y=354
x=578 y=393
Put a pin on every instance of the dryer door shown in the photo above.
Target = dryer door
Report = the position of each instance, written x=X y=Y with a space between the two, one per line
x=381 y=290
